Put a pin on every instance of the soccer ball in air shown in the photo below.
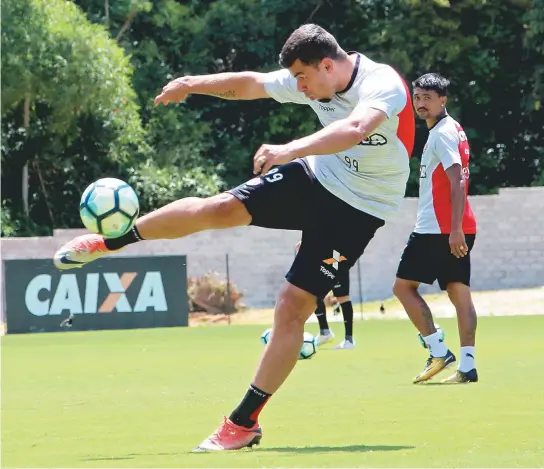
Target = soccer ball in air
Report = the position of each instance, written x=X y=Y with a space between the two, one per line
x=308 y=349
x=438 y=329
x=109 y=207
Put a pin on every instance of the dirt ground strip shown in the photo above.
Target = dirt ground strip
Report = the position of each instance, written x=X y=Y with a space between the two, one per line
x=490 y=303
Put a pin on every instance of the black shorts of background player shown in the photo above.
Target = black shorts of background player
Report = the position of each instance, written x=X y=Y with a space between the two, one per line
x=340 y=291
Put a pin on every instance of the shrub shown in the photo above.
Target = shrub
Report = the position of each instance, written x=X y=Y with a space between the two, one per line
x=209 y=294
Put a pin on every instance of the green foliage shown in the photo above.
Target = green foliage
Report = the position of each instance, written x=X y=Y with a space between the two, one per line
x=84 y=119
x=15 y=224
x=534 y=40
x=6 y=221
x=67 y=64
x=540 y=179
x=159 y=186
x=82 y=106
x=92 y=75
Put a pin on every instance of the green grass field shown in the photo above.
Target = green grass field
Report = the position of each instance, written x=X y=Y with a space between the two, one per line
x=146 y=398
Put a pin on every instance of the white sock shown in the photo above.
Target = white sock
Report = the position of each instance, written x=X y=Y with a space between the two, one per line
x=435 y=345
x=467 y=362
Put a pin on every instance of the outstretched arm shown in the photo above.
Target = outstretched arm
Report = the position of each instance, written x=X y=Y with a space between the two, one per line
x=340 y=135
x=336 y=137
x=238 y=85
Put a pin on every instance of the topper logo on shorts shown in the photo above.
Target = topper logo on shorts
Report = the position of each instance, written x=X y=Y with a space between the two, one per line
x=327 y=273
x=80 y=295
x=335 y=259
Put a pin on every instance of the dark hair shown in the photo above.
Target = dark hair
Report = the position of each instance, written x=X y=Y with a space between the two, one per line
x=310 y=44
x=433 y=81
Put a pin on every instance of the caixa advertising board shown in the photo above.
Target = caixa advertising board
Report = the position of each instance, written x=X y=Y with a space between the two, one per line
x=111 y=293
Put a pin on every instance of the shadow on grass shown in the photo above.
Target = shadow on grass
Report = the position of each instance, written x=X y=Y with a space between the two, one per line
x=128 y=456
x=332 y=449
x=438 y=383
x=277 y=449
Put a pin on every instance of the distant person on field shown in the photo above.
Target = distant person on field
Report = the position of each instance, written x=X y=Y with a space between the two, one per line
x=440 y=246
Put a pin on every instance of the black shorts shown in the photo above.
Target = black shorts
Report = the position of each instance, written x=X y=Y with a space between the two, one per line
x=341 y=285
x=427 y=258
x=290 y=198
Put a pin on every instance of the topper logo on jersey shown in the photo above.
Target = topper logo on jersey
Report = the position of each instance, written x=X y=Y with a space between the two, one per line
x=326 y=108
x=41 y=299
x=374 y=140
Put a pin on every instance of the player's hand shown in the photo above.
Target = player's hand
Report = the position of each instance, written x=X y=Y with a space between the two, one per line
x=271 y=155
x=458 y=245
x=297 y=246
x=175 y=91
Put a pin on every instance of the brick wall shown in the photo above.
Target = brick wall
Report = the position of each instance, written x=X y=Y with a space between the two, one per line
x=509 y=250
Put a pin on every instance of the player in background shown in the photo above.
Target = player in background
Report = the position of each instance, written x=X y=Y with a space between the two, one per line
x=440 y=246
x=356 y=167
x=340 y=290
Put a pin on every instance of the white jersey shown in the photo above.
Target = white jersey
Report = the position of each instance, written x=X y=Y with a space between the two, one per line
x=446 y=145
x=372 y=175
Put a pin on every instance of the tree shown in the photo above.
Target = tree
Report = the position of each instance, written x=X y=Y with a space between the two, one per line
x=60 y=74
x=479 y=45
x=490 y=49
x=534 y=40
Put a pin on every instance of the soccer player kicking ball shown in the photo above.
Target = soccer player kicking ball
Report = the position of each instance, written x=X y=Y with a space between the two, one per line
x=439 y=248
x=340 y=290
x=356 y=166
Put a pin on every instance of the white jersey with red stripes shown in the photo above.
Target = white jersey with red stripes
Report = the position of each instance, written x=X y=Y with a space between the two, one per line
x=446 y=145
x=372 y=175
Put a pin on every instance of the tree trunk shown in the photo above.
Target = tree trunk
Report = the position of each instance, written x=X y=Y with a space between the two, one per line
x=107 y=12
x=26 y=124
x=42 y=183
x=127 y=24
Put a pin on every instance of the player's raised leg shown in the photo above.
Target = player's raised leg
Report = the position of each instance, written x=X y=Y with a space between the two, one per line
x=242 y=429
x=175 y=220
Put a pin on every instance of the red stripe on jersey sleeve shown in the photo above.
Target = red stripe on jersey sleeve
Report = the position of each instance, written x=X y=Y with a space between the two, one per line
x=442 y=198
x=469 y=220
x=406 y=131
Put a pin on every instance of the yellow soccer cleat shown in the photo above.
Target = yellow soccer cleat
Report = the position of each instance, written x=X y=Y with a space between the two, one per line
x=435 y=365
x=460 y=377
